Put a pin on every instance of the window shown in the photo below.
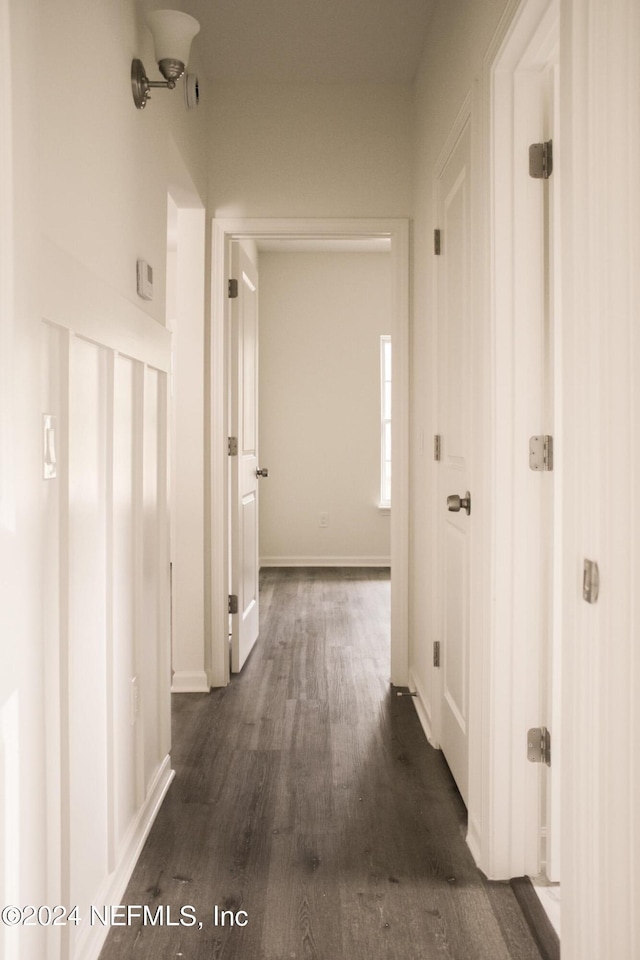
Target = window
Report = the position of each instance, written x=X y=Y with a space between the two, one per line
x=385 y=421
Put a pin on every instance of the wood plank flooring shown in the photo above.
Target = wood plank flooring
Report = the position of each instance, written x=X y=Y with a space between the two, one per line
x=307 y=796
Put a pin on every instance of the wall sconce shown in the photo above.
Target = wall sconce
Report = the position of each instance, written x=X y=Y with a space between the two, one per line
x=172 y=35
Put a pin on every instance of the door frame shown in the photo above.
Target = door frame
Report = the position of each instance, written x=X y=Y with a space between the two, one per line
x=510 y=841
x=224 y=231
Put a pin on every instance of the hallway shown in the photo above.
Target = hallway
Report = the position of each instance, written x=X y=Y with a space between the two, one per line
x=307 y=796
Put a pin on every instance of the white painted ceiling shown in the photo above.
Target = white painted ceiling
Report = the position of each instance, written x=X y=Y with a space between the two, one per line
x=307 y=41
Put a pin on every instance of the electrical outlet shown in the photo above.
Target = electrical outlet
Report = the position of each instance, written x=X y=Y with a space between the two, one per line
x=324 y=520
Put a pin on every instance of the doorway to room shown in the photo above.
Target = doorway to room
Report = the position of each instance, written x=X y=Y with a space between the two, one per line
x=266 y=233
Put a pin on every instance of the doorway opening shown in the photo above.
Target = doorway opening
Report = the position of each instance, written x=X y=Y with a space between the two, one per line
x=394 y=233
x=323 y=310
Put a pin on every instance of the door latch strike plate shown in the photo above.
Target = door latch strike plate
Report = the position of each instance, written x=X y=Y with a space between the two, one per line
x=436 y=653
x=233 y=603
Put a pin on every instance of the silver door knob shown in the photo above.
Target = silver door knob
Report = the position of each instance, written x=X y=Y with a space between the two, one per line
x=262 y=473
x=455 y=503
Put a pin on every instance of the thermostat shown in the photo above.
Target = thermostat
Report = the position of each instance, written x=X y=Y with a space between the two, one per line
x=145 y=280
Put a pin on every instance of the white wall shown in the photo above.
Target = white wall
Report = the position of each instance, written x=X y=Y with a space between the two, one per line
x=329 y=150
x=321 y=319
x=90 y=182
x=185 y=314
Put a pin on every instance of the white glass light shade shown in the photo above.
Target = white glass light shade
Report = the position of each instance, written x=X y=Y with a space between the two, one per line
x=172 y=32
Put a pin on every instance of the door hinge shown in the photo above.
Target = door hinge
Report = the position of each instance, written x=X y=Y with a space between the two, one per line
x=541 y=160
x=436 y=653
x=541 y=452
x=232 y=446
x=436 y=242
x=437 y=447
x=233 y=289
x=233 y=603
x=539 y=745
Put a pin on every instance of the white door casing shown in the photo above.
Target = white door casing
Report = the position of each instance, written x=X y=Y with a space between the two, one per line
x=551 y=418
x=454 y=417
x=224 y=232
x=520 y=831
x=244 y=568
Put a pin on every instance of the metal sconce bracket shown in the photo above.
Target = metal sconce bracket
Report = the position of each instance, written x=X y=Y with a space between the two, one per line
x=140 y=83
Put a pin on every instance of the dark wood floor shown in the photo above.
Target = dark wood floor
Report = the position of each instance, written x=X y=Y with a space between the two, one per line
x=307 y=796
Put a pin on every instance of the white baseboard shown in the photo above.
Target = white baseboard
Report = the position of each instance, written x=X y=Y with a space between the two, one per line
x=190 y=681
x=474 y=839
x=91 y=939
x=325 y=561
x=421 y=704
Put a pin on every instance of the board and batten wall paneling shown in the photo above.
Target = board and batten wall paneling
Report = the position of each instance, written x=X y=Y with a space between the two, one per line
x=124 y=653
x=108 y=607
x=87 y=641
x=321 y=318
x=78 y=210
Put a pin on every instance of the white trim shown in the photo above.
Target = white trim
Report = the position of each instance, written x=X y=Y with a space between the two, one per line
x=67 y=288
x=190 y=681
x=508 y=842
x=385 y=418
x=223 y=232
x=325 y=561
x=91 y=938
x=421 y=704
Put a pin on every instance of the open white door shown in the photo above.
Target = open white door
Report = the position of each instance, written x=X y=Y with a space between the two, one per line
x=454 y=416
x=244 y=567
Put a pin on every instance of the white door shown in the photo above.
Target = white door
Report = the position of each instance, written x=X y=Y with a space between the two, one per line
x=244 y=567
x=454 y=410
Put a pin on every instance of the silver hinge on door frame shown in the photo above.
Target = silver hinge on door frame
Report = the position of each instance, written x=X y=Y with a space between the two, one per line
x=539 y=745
x=541 y=160
x=436 y=653
x=437 y=242
x=541 y=452
x=232 y=291
x=437 y=447
x=233 y=603
x=232 y=446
